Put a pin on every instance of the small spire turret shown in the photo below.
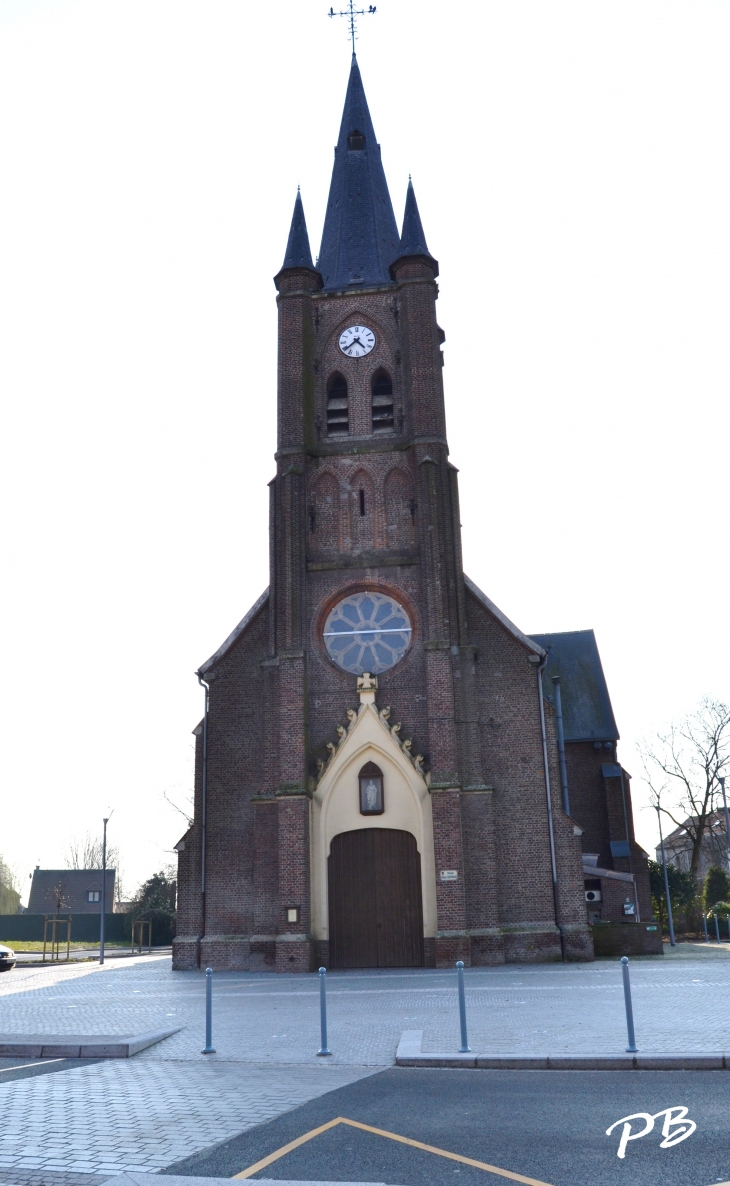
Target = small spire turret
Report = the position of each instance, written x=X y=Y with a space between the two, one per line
x=413 y=239
x=298 y=253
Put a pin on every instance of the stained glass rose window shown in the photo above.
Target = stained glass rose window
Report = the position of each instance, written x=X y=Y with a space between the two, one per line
x=367 y=632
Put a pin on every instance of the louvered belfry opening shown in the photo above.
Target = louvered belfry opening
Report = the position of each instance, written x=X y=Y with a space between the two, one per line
x=382 y=388
x=375 y=907
x=338 y=419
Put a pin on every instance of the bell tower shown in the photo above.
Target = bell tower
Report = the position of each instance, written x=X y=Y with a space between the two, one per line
x=377 y=769
x=366 y=571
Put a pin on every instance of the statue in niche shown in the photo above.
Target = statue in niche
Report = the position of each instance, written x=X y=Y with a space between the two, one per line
x=371 y=790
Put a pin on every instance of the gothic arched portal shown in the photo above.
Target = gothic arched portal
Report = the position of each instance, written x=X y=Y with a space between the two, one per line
x=375 y=906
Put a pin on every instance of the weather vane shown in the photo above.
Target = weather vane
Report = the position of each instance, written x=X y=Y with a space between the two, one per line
x=352 y=14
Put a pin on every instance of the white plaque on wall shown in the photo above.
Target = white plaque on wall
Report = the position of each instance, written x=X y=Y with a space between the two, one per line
x=449 y=875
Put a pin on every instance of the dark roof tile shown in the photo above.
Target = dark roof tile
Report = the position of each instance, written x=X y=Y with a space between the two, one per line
x=298 y=254
x=360 y=236
x=413 y=240
x=587 y=712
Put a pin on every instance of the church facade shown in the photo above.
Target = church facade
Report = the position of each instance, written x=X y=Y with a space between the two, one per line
x=383 y=772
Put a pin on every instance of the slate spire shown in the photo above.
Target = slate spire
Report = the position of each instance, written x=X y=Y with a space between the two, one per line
x=297 y=253
x=413 y=240
x=360 y=236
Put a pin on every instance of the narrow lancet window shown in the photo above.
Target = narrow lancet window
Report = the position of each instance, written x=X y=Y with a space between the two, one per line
x=338 y=420
x=382 y=389
x=362 y=502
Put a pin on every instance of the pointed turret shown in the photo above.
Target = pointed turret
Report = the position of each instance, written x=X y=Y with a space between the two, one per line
x=360 y=237
x=413 y=240
x=298 y=254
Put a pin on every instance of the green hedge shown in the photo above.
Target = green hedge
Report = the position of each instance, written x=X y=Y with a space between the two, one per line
x=84 y=928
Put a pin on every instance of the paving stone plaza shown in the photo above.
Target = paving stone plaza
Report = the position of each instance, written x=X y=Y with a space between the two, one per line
x=170 y=1101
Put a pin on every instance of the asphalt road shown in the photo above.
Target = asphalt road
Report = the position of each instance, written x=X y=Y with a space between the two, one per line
x=548 y=1126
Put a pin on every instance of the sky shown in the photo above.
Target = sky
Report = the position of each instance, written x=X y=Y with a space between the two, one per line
x=572 y=172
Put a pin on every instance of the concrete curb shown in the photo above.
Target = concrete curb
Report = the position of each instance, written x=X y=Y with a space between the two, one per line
x=409 y=1055
x=73 y=1046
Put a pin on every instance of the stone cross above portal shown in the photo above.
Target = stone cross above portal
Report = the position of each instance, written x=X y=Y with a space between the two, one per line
x=367 y=686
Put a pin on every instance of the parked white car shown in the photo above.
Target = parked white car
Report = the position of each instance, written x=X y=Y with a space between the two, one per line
x=7 y=958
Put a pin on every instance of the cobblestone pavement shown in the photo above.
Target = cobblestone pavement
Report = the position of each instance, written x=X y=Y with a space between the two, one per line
x=170 y=1101
x=131 y=1115
x=264 y=1018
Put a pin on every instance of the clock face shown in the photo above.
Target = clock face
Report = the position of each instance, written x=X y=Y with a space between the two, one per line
x=356 y=341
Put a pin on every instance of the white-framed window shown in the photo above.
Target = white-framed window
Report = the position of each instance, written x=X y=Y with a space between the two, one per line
x=93 y=895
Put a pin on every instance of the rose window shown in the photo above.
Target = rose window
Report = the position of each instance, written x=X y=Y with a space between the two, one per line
x=367 y=632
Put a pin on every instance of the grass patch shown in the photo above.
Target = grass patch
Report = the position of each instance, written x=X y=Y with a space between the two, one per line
x=28 y=946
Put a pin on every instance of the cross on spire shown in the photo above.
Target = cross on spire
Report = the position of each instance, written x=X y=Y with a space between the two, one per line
x=352 y=14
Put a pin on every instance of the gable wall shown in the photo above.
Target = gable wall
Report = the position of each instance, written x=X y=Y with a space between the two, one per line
x=511 y=748
x=235 y=744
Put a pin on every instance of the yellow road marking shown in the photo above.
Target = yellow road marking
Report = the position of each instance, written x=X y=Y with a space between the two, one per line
x=261 y=1165
x=392 y=1136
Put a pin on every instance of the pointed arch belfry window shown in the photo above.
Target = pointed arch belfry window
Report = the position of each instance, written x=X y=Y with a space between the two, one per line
x=382 y=397
x=338 y=416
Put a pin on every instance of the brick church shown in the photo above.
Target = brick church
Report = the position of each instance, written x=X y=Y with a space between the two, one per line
x=389 y=772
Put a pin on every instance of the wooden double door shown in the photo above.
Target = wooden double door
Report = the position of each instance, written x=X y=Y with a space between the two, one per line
x=375 y=904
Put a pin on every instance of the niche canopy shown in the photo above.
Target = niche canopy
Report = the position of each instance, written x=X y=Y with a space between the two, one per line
x=367 y=632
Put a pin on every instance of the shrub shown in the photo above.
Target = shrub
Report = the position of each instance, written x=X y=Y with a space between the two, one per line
x=155 y=901
x=716 y=887
x=721 y=909
x=682 y=887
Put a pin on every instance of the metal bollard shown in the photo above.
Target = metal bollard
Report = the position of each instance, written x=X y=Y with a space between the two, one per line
x=704 y=923
x=209 y=1047
x=324 y=1049
x=717 y=929
x=632 y=1047
x=464 y=1048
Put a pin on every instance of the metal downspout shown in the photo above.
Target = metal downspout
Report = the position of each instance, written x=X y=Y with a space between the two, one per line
x=561 y=745
x=553 y=863
x=203 y=810
x=628 y=841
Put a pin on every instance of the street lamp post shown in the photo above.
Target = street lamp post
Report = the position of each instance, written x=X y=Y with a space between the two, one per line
x=666 y=879
x=721 y=781
x=103 y=894
x=727 y=820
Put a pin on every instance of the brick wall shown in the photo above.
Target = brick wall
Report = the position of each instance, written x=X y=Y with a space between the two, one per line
x=465 y=692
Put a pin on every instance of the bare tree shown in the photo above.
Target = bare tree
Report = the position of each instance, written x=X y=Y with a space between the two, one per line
x=682 y=767
x=8 y=876
x=57 y=896
x=187 y=812
x=9 y=888
x=86 y=853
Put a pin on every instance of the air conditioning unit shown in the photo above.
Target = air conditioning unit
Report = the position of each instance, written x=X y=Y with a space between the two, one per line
x=593 y=895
